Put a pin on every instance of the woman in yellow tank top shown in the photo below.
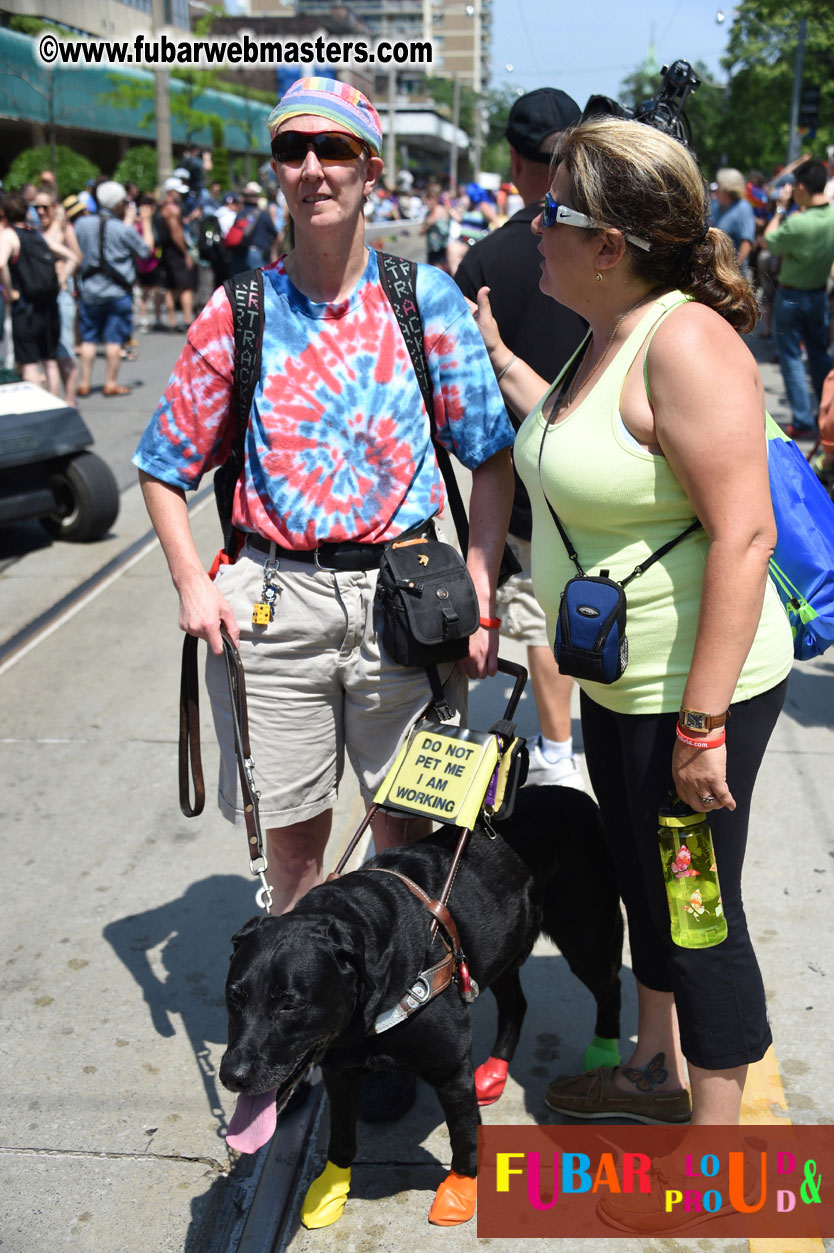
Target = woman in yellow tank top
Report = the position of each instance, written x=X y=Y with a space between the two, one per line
x=662 y=422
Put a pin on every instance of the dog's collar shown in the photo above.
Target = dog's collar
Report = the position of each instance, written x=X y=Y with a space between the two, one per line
x=436 y=979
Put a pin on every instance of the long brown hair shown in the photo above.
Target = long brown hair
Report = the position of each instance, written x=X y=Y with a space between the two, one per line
x=635 y=178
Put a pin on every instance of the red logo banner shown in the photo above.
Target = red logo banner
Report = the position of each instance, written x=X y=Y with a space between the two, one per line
x=725 y=1182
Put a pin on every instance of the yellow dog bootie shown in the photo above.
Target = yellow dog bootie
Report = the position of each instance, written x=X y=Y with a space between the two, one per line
x=326 y=1197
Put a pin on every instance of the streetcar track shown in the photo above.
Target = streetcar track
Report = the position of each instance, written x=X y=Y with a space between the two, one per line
x=67 y=606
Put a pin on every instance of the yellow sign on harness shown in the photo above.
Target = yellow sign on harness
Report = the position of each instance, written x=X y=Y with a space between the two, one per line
x=442 y=773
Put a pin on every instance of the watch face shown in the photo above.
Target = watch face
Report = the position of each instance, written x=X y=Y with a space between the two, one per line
x=695 y=721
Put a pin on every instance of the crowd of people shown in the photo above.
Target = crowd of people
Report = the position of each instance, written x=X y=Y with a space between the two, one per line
x=98 y=267
x=781 y=226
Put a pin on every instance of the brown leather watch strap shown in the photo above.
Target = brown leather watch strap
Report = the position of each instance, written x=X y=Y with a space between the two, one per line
x=696 y=720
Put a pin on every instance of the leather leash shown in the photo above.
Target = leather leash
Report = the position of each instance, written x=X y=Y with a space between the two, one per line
x=190 y=756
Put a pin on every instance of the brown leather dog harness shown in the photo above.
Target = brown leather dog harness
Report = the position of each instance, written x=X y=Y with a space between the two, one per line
x=435 y=979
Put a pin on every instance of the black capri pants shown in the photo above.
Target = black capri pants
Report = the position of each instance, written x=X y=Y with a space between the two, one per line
x=719 y=994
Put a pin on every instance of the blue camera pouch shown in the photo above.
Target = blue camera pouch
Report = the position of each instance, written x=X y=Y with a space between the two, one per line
x=591 y=638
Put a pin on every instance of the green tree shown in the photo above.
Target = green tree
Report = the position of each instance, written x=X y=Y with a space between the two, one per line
x=184 y=103
x=760 y=61
x=496 y=154
x=73 y=172
x=442 y=91
x=138 y=166
x=219 y=156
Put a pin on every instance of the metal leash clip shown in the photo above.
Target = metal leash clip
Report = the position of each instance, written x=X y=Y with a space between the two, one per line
x=263 y=896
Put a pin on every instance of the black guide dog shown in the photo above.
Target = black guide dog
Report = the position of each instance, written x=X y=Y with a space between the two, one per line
x=309 y=986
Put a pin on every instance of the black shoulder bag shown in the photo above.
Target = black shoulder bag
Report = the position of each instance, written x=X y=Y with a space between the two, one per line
x=104 y=266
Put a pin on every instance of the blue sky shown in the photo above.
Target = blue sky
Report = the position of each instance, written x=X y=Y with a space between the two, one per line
x=589 y=47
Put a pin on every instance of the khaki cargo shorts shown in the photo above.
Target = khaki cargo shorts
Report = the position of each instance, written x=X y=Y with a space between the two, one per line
x=319 y=688
x=522 y=617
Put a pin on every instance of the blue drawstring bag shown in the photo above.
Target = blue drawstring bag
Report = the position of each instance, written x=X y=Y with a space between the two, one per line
x=802 y=565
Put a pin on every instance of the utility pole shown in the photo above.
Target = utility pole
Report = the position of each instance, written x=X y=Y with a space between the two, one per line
x=794 y=136
x=453 y=156
x=391 y=145
x=162 y=101
x=477 y=83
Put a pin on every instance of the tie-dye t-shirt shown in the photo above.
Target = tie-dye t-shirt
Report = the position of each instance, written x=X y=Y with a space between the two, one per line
x=338 y=444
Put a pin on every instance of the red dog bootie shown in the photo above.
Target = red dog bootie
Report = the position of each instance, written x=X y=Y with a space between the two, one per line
x=454 y=1200
x=490 y=1080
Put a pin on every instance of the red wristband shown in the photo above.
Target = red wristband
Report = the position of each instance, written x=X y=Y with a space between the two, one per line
x=491 y=624
x=714 y=742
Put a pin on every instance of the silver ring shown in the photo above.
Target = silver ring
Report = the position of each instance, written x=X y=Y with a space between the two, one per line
x=707 y=800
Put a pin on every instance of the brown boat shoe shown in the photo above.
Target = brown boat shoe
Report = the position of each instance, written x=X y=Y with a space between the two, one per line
x=593 y=1094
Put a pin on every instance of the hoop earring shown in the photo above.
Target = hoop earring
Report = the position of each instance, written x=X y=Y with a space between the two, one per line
x=598 y=277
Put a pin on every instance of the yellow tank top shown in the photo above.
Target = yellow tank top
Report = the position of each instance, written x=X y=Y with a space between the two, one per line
x=618 y=503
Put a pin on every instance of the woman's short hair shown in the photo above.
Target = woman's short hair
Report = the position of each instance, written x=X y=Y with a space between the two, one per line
x=632 y=177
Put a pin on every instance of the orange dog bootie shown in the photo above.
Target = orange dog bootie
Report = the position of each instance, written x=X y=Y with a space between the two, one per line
x=490 y=1080
x=454 y=1200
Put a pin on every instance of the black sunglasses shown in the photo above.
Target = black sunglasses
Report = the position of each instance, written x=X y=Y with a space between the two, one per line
x=330 y=147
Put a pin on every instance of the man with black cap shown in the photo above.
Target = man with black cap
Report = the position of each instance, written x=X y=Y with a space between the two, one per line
x=545 y=334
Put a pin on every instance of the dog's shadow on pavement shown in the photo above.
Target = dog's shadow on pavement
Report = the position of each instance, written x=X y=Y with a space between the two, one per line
x=178 y=953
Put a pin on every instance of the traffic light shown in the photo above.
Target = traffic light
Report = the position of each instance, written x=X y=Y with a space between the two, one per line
x=809 y=107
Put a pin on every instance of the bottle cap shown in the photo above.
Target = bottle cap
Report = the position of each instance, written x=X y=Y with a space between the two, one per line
x=674 y=813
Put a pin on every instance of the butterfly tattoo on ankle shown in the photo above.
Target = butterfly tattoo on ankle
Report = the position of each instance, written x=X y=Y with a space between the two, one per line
x=650 y=1076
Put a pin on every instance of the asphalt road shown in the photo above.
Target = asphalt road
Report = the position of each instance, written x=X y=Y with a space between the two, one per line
x=118 y=913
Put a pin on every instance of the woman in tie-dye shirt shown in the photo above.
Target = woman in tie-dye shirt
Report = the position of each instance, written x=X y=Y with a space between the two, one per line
x=338 y=451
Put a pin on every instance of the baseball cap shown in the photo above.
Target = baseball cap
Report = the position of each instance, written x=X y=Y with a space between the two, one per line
x=176 y=184
x=535 y=116
x=110 y=195
x=253 y=189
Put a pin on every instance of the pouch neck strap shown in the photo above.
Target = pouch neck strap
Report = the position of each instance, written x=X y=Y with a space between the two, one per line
x=566 y=382
x=571 y=551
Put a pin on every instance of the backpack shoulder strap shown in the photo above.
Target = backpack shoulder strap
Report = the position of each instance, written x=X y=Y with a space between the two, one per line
x=399 y=282
x=245 y=294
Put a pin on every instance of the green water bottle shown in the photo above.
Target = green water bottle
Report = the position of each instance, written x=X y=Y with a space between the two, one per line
x=691 y=876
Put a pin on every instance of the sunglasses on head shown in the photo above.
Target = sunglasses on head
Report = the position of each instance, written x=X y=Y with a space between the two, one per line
x=554 y=212
x=330 y=147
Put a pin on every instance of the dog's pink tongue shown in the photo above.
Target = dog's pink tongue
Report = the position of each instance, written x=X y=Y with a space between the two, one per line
x=253 y=1122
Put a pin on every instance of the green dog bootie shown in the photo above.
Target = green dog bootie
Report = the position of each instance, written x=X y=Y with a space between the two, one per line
x=601 y=1052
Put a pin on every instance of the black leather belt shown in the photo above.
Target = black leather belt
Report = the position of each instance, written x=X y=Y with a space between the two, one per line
x=346 y=556
x=811 y=291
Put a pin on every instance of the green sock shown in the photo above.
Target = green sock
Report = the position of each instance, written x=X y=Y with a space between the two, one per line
x=601 y=1052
